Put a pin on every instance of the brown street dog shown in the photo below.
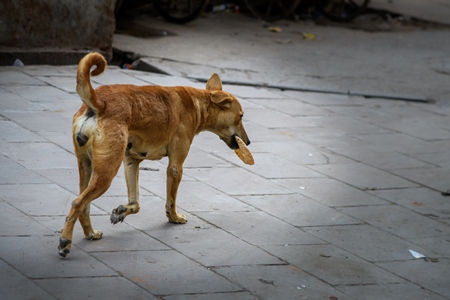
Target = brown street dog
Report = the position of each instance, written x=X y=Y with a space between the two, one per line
x=131 y=123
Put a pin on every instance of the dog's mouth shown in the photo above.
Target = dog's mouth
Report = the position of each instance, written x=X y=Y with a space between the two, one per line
x=232 y=143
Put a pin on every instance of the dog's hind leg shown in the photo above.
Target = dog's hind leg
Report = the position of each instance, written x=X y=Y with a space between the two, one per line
x=85 y=170
x=131 y=166
x=106 y=159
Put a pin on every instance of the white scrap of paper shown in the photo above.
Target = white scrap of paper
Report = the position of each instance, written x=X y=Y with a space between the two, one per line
x=416 y=254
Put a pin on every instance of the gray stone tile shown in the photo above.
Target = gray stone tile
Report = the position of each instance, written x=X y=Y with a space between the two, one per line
x=398 y=291
x=11 y=132
x=398 y=220
x=327 y=138
x=441 y=158
x=46 y=94
x=302 y=153
x=422 y=200
x=293 y=107
x=61 y=139
x=63 y=108
x=38 y=199
x=298 y=210
x=200 y=159
x=432 y=276
x=37 y=155
x=117 y=76
x=250 y=92
x=69 y=179
x=48 y=70
x=280 y=282
x=166 y=272
x=420 y=128
x=371 y=114
x=260 y=133
x=116 y=238
x=435 y=178
x=37 y=257
x=221 y=296
x=271 y=166
x=379 y=158
x=347 y=125
x=330 y=192
x=94 y=288
x=153 y=173
x=437 y=244
x=213 y=247
x=333 y=265
x=152 y=214
x=15 y=286
x=210 y=143
x=164 y=80
x=65 y=178
x=258 y=228
x=400 y=142
x=65 y=83
x=367 y=242
x=274 y=119
x=17 y=174
x=10 y=77
x=15 y=223
x=363 y=177
x=41 y=121
x=13 y=102
x=197 y=196
x=236 y=181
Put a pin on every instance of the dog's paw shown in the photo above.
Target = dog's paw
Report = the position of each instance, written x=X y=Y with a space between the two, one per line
x=95 y=235
x=118 y=215
x=64 y=247
x=178 y=219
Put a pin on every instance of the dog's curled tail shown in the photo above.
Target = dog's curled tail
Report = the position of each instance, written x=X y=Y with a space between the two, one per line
x=84 y=87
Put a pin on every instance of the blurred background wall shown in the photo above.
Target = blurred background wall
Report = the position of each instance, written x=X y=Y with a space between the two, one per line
x=52 y=24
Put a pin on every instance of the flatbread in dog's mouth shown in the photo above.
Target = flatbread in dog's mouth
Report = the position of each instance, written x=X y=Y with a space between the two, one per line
x=243 y=153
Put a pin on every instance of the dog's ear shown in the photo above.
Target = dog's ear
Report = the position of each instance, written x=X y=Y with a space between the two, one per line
x=214 y=83
x=222 y=99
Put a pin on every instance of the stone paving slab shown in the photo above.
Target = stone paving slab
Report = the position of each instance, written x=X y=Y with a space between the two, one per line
x=298 y=210
x=255 y=228
x=423 y=200
x=30 y=256
x=280 y=282
x=330 y=192
x=363 y=176
x=400 y=291
x=14 y=173
x=95 y=288
x=227 y=250
x=342 y=188
x=14 y=285
x=432 y=276
x=333 y=265
x=368 y=242
x=398 y=220
x=166 y=272
x=16 y=223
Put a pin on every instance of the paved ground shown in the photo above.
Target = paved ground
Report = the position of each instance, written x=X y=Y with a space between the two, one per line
x=399 y=62
x=343 y=187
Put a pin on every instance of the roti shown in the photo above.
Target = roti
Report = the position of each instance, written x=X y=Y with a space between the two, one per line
x=243 y=153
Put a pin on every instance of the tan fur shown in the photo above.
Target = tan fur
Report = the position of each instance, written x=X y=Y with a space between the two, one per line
x=131 y=123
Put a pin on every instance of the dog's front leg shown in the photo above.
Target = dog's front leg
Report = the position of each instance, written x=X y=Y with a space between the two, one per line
x=131 y=166
x=174 y=174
